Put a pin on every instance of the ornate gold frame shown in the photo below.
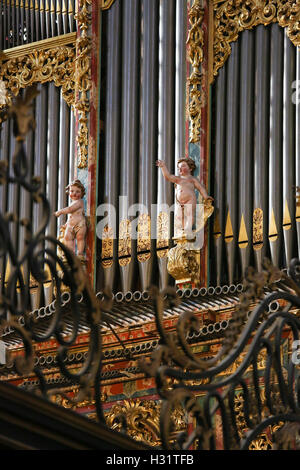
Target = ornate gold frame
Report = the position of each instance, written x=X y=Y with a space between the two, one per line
x=233 y=17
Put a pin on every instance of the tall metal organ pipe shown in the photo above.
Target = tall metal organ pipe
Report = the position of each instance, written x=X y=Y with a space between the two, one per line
x=219 y=176
x=288 y=156
x=246 y=148
x=148 y=139
x=296 y=100
x=232 y=155
x=261 y=140
x=129 y=139
x=110 y=165
x=166 y=126
x=275 y=148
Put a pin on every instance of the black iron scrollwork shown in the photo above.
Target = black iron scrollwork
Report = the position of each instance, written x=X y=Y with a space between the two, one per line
x=251 y=383
x=42 y=257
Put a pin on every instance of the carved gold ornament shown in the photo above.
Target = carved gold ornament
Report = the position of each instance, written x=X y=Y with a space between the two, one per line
x=106 y=4
x=163 y=230
x=144 y=237
x=83 y=79
x=107 y=246
x=124 y=242
x=233 y=17
x=257 y=228
x=143 y=420
x=195 y=43
x=183 y=263
x=41 y=66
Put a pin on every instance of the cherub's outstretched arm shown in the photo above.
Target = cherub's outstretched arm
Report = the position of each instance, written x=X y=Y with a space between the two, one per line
x=69 y=209
x=166 y=173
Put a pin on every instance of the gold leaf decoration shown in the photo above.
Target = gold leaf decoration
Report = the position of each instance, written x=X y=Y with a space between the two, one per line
x=233 y=17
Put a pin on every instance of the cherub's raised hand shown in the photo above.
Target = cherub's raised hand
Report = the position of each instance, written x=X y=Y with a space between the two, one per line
x=160 y=163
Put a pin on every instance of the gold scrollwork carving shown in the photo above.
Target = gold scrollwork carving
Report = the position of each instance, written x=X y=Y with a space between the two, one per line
x=257 y=228
x=124 y=249
x=162 y=234
x=143 y=420
x=144 y=237
x=106 y=4
x=41 y=66
x=83 y=79
x=195 y=42
x=231 y=18
x=184 y=263
x=107 y=246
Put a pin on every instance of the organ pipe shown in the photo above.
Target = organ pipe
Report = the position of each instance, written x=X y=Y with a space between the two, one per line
x=261 y=139
x=165 y=132
x=112 y=143
x=148 y=138
x=245 y=148
x=219 y=173
x=296 y=94
x=288 y=150
x=275 y=147
x=232 y=155
x=129 y=138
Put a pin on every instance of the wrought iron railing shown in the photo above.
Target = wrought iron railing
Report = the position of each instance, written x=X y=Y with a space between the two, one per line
x=252 y=382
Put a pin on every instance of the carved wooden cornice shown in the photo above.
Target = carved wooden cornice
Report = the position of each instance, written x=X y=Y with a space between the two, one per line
x=233 y=17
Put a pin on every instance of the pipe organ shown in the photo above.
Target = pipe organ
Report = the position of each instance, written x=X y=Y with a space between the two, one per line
x=144 y=119
x=255 y=159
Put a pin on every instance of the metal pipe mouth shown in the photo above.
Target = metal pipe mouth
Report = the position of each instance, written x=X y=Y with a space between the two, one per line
x=240 y=288
x=225 y=289
x=273 y=307
x=203 y=291
x=218 y=290
x=204 y=330
x=211 y=290
x=145 y=295
x=224 y=324
x=128 y=296
x=65 y=297
x=119 y=296
x=187 y=292
x=195 y=292
x=217 y=327
x=179 y=292
x=232 y=288
x=137 y=295
x=211 y=328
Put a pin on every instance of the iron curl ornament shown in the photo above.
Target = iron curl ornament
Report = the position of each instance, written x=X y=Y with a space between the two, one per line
x=41 y=257
x=254 y=368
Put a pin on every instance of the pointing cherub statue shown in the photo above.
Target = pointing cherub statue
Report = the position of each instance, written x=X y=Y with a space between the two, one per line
x=186 y=199
x=76 y=225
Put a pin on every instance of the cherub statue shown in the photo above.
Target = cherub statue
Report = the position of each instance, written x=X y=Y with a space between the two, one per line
x=186 y=199
x=76 y=225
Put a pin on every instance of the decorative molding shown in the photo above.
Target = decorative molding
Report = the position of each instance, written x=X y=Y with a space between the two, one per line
x=40 y=66
x=106 y=4
x=83 y=79
x=144 y=237
x=231 y=18
x=195 y=43
x=45 y=44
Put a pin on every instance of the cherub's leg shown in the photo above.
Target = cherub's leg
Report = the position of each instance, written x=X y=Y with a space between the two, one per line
x=80 y=238
x=188 y=219
x=69 y=238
